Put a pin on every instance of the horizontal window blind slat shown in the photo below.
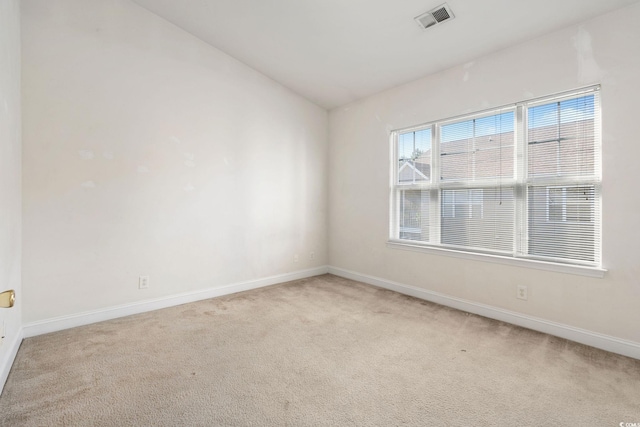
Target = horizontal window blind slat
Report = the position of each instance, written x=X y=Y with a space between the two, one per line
x=478 y=149
x=414 y=215
x=478 y=218
x=563 y=222
x=561 y=138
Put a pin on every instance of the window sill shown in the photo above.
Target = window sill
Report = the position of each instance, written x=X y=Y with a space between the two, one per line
x=497 y=259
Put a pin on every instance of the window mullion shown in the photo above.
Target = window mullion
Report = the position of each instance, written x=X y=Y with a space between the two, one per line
x=520 y=153
x=434 y=194
x=394 y=212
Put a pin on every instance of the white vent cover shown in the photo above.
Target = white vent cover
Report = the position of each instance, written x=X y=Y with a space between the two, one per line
x=435 y=16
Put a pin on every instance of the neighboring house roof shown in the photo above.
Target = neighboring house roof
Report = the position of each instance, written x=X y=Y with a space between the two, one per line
x=411 y=171
x=552 y=150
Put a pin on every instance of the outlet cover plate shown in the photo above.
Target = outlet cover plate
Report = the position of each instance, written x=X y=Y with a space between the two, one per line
x=522 y=292
x=143 y=282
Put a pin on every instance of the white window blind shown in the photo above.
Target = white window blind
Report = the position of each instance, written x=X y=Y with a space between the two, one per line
x=477 y=182
x=520 y=181
x=563 y=182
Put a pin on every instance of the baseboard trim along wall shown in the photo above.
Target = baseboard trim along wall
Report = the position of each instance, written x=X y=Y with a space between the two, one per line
x=593 y=339
x=9 y=357
x=86 y=318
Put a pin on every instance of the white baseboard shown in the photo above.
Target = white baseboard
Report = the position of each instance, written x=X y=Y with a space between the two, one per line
x=9 y=357
x=86 y=318
x=593 y=339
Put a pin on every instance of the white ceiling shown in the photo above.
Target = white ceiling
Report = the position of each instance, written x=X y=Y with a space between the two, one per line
x=333 y=52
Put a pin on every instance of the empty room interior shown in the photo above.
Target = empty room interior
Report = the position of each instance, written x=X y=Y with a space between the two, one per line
x=278 y=212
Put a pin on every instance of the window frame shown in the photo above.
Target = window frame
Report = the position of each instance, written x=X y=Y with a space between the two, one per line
x=562 y=203
x=520 y=183
x=566 y=202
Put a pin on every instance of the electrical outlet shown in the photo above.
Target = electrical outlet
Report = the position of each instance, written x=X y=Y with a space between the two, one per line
x=522 y=292
x=312 y=255
x=295 y=258
x=143 y=282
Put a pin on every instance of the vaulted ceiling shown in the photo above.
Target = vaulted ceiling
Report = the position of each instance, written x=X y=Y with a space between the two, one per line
x=333 y=52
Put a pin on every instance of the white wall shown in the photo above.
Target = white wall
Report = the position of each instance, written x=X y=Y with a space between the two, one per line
x=149 y=152
x=10 y=174
x=604 y=51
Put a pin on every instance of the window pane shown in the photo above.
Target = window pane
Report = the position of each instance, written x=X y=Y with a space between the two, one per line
x=580 y=203
x=561 y=138
x=565 y=226
x=414 y=156
x=478 y=218
x=478 y=148
x=556 y=197
x=414 y=215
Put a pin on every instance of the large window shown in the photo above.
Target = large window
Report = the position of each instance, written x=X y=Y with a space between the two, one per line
x=521 y=181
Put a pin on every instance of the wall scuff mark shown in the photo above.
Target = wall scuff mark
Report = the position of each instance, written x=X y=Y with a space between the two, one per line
x=86 y=154
x=588 y=69
x=466 y=67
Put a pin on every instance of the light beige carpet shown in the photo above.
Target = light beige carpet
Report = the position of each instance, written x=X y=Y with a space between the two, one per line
x=324 y=351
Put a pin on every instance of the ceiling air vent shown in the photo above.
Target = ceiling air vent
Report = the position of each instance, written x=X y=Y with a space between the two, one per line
x=434 y=16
